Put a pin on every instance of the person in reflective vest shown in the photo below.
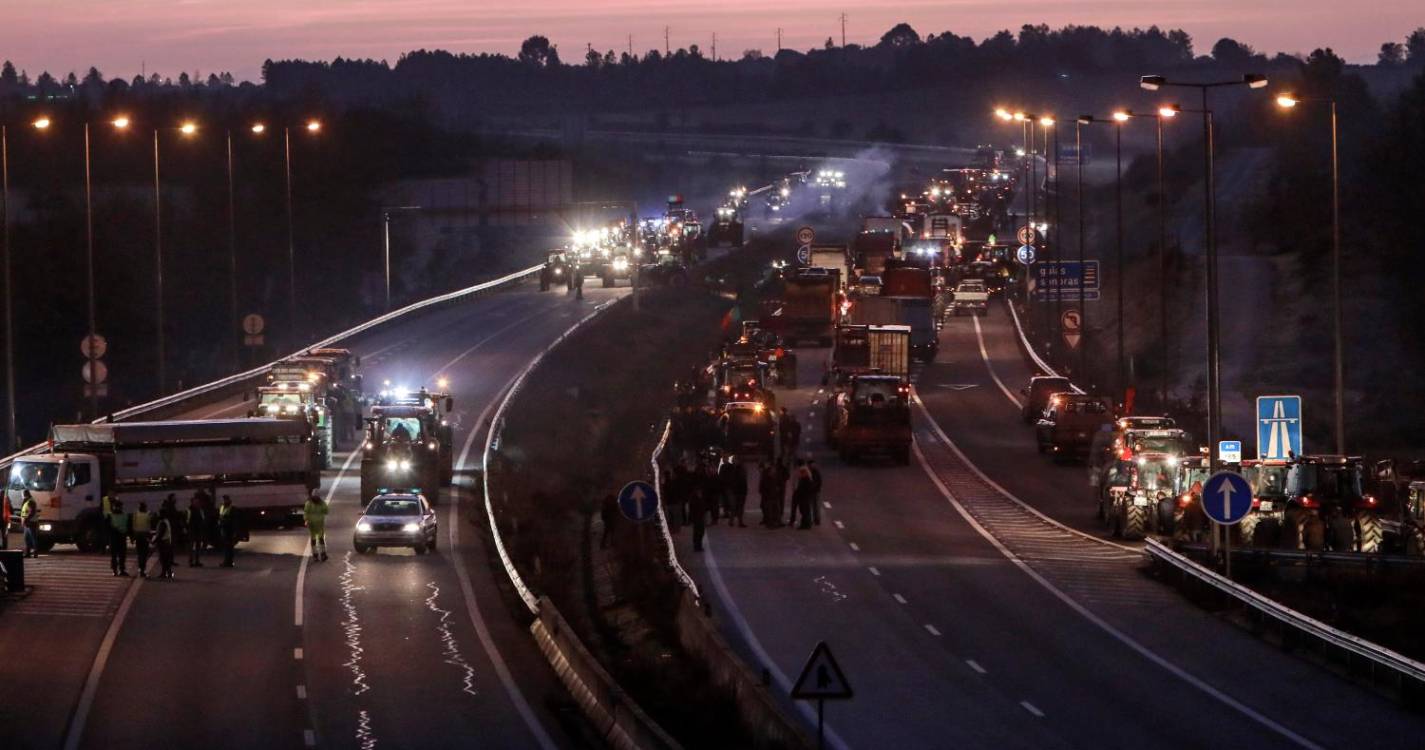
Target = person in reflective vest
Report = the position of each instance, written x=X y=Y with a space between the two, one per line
x=227 y=530
x=141 y=528
x=118 y=539
x=315 y=512
x=30 y=520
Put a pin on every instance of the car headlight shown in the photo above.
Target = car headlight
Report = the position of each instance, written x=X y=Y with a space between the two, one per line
x=431 y=445
x=46 y=527
x=411 y=527
x=405 y=465
x=558 y=272
x=393 y=465
x=363 y=526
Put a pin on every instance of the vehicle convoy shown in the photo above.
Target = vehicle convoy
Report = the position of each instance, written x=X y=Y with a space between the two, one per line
x=726 y=228
x=971 y=296
x=1138 y=490
x=396 y=519
x=810 y=307
x=265 y=465
x=298 y=401
x=1067 y=425
x=409 y=444
x=870 y=414
x=1327 y=506
x=335 y=384
x=916 y=313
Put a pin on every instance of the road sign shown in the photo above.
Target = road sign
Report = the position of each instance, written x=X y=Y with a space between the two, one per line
x=1025 y=254
x=1229 y=451
x=990 y=240
x=1278 y=427
x=806 y=235
x=638 y=501
x=1026 y=235
x=253 y=340
x=1062 y=279
x=253 y=324
x=822 y=678
x=1226 y=497
x=804 y=255
x=96 y=391
x=93 y=346
x=1072 y=324
x=98 y=374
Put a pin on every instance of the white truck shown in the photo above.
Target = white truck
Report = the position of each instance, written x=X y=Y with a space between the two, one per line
x=267 y=467
x=831 y=256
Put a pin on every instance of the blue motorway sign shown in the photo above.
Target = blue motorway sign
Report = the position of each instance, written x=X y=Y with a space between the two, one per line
x=638 y=501
x=1226 y=497
x=1278 y=427
x=1062 y=280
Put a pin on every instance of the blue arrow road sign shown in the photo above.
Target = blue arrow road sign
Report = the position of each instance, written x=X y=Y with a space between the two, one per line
x=1278 y=427
x=1226 y=497
x=638 y=501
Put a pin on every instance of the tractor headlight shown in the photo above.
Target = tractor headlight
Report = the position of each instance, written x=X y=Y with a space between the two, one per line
x=431 y=445
x=405 y=465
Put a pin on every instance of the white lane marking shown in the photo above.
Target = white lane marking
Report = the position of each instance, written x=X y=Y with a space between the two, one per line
x=96 y=670
x=874 y=571
x=297 y=654
x=441 y=370
x=309 y=738
x=855 y=547
x=1031 y=708
x=985 y=355
x=826 y=505
x=898 y=598
x=222 y=409
x=301 y=692
x=839 y=524
x=298 y=610
x=472 y=607
x=1102 y=624
x=931 y=629
x=976 y=666
x=729 y=608
x=1004 y=492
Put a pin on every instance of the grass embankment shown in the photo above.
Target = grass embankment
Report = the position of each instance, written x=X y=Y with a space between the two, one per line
x=584 y=425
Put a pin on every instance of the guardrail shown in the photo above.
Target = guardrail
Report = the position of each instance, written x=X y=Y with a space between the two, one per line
x=663 y=528
x=1321 y=559
x=1408 y=674
x=1028 y=349
x=243 y=379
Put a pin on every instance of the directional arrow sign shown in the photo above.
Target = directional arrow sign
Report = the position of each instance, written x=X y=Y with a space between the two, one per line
x=638 y=501
x=1226 y=497
x=821 y=678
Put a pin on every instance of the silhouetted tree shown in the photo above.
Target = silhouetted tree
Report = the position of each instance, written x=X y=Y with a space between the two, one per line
x=900 y=35
x=1391 y=53
x=1415 y=46
x=8 y=77
x=537 y=51
x=1232 y=52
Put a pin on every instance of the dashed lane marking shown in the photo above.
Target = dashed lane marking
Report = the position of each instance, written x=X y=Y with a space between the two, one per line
x=301 y=692
x=931 y=629
x=1031 y=708
x=898 y=598
x=297 y=654
x=976 y=666
x=839 y=524
x=874 y=571
x=855 y=547
x=309 y=738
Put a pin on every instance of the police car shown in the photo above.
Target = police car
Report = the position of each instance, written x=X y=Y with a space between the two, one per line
x=396 y=519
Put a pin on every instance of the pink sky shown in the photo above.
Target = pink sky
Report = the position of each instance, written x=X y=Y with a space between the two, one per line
x=122 y=36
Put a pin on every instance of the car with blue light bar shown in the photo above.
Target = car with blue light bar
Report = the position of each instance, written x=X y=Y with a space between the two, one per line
x=396 y=519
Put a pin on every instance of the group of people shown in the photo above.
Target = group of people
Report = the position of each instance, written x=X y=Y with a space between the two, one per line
x=707 y=487
x=202 y=525
x=29 y=516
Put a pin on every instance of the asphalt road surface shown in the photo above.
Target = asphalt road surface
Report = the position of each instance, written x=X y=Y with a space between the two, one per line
x=384 y=650
x=973 y=601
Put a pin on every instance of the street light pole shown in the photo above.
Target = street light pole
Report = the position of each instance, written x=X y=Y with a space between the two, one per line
x=1120 y=282
x=1214 y=385
x=10 y=441
x=89 y=265
x=158 y=264
x=291 y=242
x=386 y=244
x=233 y=323
x=1079 y=193
x=1162 y=273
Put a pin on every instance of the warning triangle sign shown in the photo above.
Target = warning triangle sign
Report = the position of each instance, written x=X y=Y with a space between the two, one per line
x=821 y=678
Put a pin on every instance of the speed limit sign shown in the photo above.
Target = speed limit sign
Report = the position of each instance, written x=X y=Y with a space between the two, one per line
x=805 y=236
x=1027 y=235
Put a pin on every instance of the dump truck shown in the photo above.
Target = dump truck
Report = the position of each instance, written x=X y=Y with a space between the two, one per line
x=266 y=466
x=810 y=307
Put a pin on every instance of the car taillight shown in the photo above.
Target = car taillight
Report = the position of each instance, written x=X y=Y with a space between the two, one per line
x=1307 y=501
x=1256 y=503
x=1125 y=455
x=1369 y=500
x=1184 y=500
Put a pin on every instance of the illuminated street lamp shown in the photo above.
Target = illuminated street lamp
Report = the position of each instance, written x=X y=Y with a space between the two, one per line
x=1288 y=102
x=1214 y=358
x=1118 y=118
x=1164 y=112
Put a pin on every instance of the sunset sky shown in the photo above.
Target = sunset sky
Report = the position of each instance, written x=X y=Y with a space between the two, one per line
x=123 y=36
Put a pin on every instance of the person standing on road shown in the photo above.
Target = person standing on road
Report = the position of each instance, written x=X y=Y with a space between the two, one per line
x=711 y=489
x=802 y=495
x=315 y=513
x=106 y=507
x=737 y=491
x=608 y=516
x=118 y=539
x=227 y=530
x=815 y=490
x=698 y=509
x=767 y=489
x=141 y=527
x=791 y=434
x=163 y=538
x=5 y=513
x=197 y=526
x=30 y=522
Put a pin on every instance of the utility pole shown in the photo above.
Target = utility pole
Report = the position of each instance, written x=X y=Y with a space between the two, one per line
x=779 y=38
x=667 y=47
x=714 y=46
x=843 y=29
x=630 y=46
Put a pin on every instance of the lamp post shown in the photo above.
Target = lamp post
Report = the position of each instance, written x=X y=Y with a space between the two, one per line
x=1287 y=102
x=1117 y=119
x=1164 y=112
x=89 y=265
x=313 y=127
x=233 y=323
x=1079 y=194
x=10 y=440
x=1214 y=358
x=386 y=244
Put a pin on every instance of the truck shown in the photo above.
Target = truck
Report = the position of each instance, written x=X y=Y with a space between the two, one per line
x=869 y=349
x=265 y=465
x=409 y=444
x=872 y=250
x=916 y=313
x=335 y=384
x=810 y=307
x=726 y=227
x=298 y=401
x=831 y=257
x=870 y=415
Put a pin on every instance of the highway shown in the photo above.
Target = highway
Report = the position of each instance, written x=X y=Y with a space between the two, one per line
x=971 y=597
x=387 y=650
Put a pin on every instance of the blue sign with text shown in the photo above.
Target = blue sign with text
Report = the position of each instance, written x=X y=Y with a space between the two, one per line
x=1063 y=279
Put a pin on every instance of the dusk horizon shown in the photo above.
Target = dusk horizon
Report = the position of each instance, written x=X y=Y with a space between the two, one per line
x=128 y=37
